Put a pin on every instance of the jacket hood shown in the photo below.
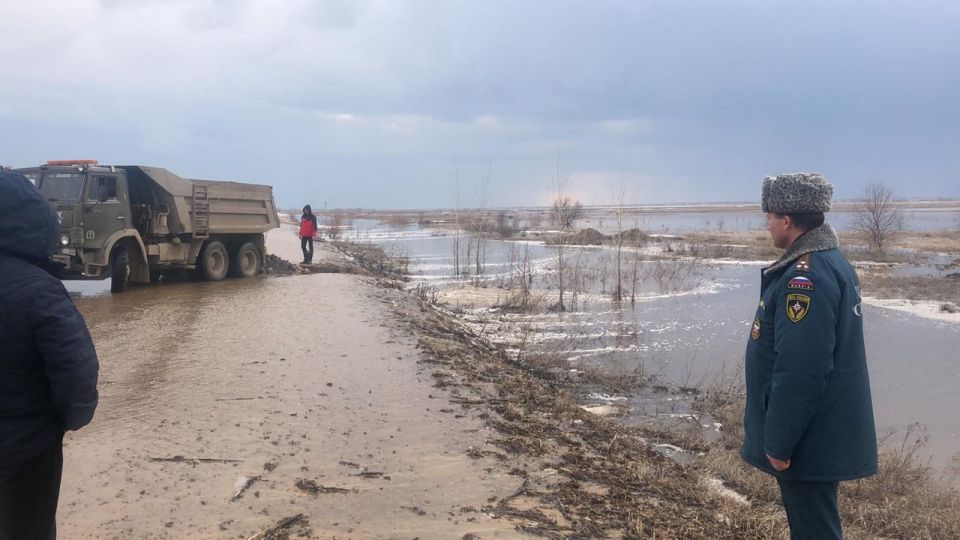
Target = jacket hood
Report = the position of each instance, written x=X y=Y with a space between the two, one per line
x=28 y=224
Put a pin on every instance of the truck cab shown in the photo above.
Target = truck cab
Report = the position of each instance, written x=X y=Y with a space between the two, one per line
x=92 y=205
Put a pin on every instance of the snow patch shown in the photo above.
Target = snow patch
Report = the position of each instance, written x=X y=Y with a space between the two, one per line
x=715 y=485
x=927 y=309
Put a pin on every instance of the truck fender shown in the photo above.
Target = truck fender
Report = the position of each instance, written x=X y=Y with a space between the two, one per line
x=139 y=267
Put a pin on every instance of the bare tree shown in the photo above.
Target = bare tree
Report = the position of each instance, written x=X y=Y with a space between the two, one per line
x=565 y=210
x=620 y=199
x=456 y=225
x=564 y=213
x=877 y=216
x=481 y=223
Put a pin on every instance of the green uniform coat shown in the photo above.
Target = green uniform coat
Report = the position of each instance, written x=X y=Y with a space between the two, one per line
x=808 y=390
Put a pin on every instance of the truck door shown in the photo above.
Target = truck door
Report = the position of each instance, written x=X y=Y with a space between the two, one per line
x=107 y=208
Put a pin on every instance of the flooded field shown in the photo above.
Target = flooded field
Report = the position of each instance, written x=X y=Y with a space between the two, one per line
x=687 y=323
x=937 y=218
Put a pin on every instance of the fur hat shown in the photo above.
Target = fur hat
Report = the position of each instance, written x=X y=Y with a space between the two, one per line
x=797 y=193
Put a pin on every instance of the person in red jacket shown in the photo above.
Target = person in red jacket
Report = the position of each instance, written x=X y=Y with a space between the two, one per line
x=308 y=229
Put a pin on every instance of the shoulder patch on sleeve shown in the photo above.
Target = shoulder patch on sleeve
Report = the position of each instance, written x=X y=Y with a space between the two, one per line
x=798 y=305
x=803 y=263
x=800 y=282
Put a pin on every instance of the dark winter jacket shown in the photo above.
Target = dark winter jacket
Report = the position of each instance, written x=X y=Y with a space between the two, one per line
x=48 y=365
x=808 y=391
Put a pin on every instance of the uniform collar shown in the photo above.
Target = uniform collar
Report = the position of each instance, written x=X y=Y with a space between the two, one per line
x=820 y=239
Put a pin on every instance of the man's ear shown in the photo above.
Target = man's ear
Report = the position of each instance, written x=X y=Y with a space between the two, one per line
x=788 y=222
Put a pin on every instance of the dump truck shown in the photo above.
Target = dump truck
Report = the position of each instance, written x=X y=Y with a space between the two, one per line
x=130 y=223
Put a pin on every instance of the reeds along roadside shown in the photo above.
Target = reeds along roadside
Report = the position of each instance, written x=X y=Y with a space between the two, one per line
x=905 y=499
x=389 y=261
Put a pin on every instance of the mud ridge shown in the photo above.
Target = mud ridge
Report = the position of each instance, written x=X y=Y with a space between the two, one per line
x=583 y=476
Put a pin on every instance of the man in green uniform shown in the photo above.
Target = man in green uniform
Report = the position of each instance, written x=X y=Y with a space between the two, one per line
x=809 y=416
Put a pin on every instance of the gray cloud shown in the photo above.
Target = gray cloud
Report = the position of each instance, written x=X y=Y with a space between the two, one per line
x=372 y=103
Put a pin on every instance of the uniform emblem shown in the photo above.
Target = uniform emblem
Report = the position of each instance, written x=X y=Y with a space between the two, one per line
x=800 y=282
x=763 y=304
x=803 y=263
x=755 y=331
x=798 y=305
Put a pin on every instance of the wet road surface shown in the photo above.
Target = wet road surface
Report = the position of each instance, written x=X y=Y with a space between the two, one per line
x=288 y=379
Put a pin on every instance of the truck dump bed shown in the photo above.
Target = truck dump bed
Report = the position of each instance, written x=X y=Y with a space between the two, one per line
x=220 y=207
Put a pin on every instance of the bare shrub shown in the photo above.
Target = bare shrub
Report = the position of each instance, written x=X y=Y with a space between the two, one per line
x=521 y=301
x=427 y=293
x=336 y=224
x=387 y=261
x=877 y=216
x=506 y=225
x=673 y=275
x=565 y=211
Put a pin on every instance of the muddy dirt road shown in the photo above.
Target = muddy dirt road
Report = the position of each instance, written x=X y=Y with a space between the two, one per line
x=303 y=383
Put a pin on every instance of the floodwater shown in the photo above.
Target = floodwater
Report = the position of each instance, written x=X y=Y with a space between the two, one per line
x=690 y=331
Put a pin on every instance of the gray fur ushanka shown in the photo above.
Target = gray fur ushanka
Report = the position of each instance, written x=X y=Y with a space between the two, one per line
x=797 y=193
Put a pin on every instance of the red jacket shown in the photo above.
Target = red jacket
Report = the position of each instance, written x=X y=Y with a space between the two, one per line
x=308 y=226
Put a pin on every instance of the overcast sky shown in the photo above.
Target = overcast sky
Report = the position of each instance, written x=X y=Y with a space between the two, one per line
x=379 y=104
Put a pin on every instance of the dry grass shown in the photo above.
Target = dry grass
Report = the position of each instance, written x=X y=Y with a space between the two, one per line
x=740 y=245
x=904 y=500
x=585 y=476
x=936 y=241
x=940 y=289
x=756 y=245
x=376 y=259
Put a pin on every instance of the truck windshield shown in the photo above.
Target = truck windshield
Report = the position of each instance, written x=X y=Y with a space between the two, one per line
x=64 y=187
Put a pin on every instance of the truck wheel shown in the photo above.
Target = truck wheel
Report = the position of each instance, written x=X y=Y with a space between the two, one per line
x=246 y=261
x=214 y=262
x=119 y=271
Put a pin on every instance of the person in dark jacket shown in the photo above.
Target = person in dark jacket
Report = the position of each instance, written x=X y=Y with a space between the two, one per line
x=48 y=365
x=809 y=415
x=308 y=229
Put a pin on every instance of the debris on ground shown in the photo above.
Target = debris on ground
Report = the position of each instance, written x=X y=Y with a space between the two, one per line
x=242 y=484
x=193 y=461
x=281 y=529
x=313 y=488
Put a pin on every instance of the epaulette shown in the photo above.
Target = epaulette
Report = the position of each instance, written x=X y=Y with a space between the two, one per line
x=803 y=263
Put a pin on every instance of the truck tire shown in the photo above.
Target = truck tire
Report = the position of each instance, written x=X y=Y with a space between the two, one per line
x=214 y=262
x=246 y=261
x=119 y=271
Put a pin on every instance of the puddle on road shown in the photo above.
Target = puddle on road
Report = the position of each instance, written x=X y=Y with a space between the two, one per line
x=150 y=338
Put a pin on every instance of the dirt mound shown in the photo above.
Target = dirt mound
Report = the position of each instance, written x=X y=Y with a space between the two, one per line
x=631 y=237
x=275 y=266
x=588 y=237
